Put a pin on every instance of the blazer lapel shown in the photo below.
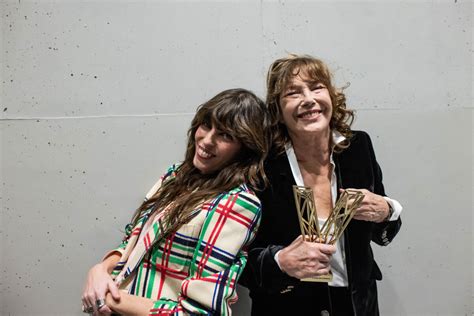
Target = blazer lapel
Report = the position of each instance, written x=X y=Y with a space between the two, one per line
x=283 y=170
x=143 y=245
x=146 y=241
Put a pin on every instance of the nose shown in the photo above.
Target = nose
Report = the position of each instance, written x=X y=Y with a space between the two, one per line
x=210 y=137
x=308 y=99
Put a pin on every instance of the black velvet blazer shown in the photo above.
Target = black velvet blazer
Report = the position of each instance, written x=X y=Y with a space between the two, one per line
x=356 y=167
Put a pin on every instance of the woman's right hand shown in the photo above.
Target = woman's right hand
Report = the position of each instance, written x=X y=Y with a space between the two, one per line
x=98 y=284
x=303 y=259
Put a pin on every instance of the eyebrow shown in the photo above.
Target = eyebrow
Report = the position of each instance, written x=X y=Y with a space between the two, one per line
x=290 y=87
x=311 y=82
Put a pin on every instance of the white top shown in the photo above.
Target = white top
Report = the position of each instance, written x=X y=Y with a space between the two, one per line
x=338 y=260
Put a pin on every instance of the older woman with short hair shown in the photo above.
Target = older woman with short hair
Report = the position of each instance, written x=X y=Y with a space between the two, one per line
x=315 y=147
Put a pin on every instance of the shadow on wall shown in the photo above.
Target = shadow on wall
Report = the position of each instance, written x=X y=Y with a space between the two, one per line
x=242 y=307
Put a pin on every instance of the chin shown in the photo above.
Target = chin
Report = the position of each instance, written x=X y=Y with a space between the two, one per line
x=198 y=165
x=202 y=169
x=316 y=129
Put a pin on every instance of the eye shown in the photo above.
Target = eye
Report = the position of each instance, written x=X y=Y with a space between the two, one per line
x=317 y=86
x=206 y=124
x=226 y=137
x=290 y=93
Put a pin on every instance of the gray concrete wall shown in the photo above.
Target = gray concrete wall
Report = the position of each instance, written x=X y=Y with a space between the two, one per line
x=97 y=96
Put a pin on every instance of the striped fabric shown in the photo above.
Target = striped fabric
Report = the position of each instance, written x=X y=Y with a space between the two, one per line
x=194 y=270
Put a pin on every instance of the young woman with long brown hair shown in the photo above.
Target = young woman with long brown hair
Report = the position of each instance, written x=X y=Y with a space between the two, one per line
x=186 y=245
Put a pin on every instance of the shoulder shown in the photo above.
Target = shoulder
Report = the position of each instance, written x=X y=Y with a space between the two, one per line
x=171 y=171
x=360 y=150
x=359 y=137
x=276 y=164
x=168 y=175
x=359 y=141
x=240 y=198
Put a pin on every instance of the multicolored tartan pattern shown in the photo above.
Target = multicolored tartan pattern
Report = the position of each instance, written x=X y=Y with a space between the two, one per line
x=194 y=270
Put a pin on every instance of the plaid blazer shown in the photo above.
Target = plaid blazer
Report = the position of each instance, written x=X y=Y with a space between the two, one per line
x=194 y=270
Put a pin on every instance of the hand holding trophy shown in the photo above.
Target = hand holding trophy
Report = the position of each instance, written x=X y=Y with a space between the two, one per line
x=335 y=224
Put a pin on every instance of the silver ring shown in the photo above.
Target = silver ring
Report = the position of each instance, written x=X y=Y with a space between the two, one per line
x=99 y=303
x=87 y=310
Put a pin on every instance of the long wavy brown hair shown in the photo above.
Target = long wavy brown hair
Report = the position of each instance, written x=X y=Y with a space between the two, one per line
x=242 y=115
x=279 y=75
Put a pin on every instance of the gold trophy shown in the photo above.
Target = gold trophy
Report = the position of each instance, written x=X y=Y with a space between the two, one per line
x=333 y=227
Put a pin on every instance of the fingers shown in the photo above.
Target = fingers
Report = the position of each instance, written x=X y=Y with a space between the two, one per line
x=88 y=302
x=298 y=239
x=92 y=300
x=97 y=307
x=323 y=270
x=373 y=208
x=104 y=310
x=296 y=243
x=327 y=249
x=353 y=189
x=114 y=290
x=319 y=254
x=315 y=250
x=364 y=215
x=87 y=310
x=315 y=268
x=97 y=285
x=303 y=259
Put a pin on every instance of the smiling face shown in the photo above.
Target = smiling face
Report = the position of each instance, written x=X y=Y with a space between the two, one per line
x=214 y=149
x=306 y=106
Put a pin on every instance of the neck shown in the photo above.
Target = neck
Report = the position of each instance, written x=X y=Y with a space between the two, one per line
x=314 y=148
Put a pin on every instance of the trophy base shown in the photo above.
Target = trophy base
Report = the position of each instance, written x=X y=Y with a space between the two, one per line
x=322 y=278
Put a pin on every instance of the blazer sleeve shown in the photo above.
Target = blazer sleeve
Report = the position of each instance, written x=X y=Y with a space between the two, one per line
x=263 y=273
x=133 y=230
x=278 y=229
x=218 y=260
x=383 y=233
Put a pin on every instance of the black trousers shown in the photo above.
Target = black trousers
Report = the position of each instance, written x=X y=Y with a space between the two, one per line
x=341 y=302
x=304 y=299
x=327 y=301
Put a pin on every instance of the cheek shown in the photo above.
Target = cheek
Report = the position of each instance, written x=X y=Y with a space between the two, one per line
x=199 y=134
x=328 y=101
x=331 y=107
x=285 y=112
x=232 y=151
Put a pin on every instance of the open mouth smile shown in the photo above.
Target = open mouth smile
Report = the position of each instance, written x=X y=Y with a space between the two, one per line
x=310 y=114
x=204 y=153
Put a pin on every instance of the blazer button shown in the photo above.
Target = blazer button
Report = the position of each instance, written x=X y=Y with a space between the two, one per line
x=289 y=288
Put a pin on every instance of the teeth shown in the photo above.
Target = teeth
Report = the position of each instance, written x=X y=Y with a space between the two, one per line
x=309 y=114
x=203 y=153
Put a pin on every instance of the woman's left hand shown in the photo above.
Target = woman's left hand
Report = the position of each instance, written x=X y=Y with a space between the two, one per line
x=98 y=284
x=374 y=208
